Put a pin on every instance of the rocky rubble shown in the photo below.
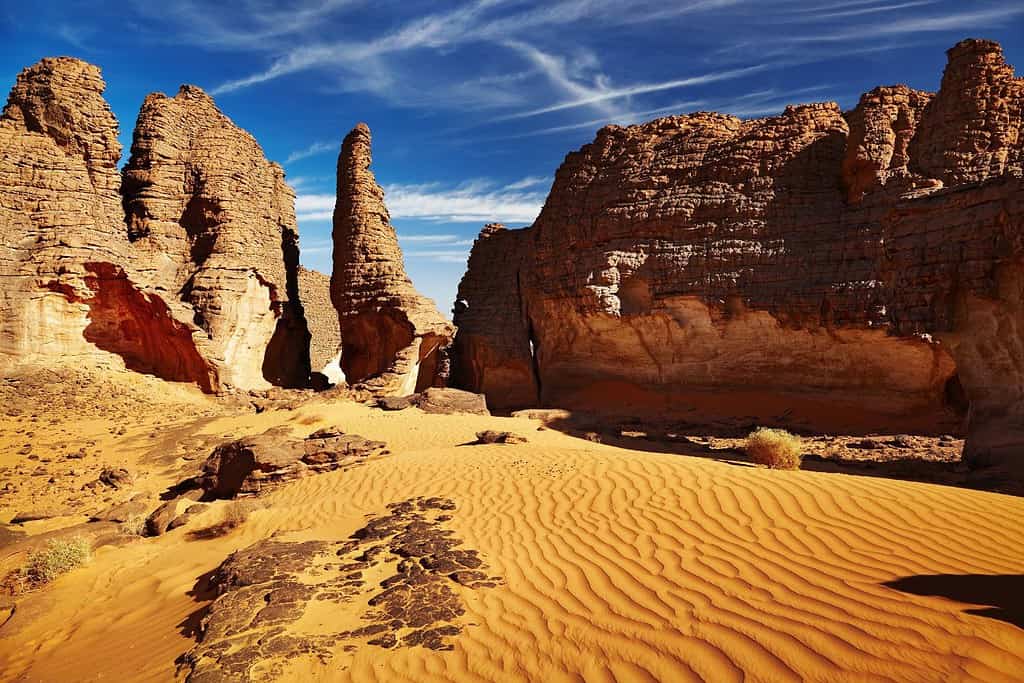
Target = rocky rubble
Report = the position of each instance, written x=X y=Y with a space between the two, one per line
x=393 y=339
x=817 y=269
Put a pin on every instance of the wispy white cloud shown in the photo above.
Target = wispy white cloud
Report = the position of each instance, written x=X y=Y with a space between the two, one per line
x=528 y=181
x=639 y=89
x=477 y=201
x=428 y=238
x=956 y=21
x=470 y=203
x=441 y=256
x=312 y=150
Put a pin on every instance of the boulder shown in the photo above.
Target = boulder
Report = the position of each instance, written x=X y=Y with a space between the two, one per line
x=446 y=400
x=491 y=436
x=250 y=465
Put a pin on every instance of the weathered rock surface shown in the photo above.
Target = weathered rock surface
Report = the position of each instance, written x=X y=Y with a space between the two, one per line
x=322 y=320
x=448 y=400
x=814 y=269
x=250 y=465
x=190 y=274
x=393 y=339
x=491 y=436
x=213 y=224
x=252 y=629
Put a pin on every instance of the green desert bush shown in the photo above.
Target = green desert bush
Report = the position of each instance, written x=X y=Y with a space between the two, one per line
x=60 y=556
x=775 y=448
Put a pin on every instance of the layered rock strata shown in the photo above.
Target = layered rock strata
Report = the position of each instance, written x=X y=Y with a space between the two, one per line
x=815 y=269
x=393 y=339
x=213 y=226
x=187 y=268
x=322 y=320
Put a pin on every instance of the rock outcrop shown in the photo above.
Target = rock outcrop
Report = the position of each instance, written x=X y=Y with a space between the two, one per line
x=393 y=339
x=186 y=268
x=213 y=225
x=249 y=466
x=814 y=269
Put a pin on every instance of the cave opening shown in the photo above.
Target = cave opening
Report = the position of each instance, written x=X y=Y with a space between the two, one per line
x=634 y=296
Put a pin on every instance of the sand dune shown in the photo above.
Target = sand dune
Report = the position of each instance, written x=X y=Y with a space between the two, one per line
x=617 y=565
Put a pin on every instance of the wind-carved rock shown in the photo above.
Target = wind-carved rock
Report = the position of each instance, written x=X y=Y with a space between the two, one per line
x=213 y=225
x=393 y=339
x=816 y=269
x=59 y=208
x=199 y=284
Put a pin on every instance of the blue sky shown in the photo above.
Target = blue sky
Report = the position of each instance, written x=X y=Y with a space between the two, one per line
x=473 y=105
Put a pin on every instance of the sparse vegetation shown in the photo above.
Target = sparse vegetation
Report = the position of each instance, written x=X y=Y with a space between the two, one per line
x=135 y=525
x=775 y=448
x=60 y=556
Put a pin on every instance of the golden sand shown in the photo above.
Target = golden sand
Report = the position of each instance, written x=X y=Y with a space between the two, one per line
x=618 y=565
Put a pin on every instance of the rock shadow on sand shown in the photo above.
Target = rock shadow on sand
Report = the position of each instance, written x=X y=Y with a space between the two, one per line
x=1003 y=593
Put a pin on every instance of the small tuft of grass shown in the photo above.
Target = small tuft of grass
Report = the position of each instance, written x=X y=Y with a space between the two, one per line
x=135 y=525
x=58 y=557
x=775 y=448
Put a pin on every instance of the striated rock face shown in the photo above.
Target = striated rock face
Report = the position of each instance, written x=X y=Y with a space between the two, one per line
x=815 y=269
x=321 y=318
x=213 y=225
x=59 y=209
x=491 y=352
x=188 y=269
x=393 y=339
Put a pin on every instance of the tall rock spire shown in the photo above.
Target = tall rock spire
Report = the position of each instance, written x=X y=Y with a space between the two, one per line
x=393 y=338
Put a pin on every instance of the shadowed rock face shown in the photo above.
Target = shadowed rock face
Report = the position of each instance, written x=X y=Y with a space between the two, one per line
x=188 y=269
x=393 y=339
x=815 y=269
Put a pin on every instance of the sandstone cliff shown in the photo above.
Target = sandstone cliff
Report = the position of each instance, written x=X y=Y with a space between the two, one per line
x=393 y=339
x=197 y=283
x=816 y=269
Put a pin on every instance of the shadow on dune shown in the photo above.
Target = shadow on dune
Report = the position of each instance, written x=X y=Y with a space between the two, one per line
x=1004 y=593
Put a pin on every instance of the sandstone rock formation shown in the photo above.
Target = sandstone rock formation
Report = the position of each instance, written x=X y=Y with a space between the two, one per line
x=322 y=320
x=198 y=282
x=248 y=466
x=393 y=339
x=213 y=225
x=815 y=269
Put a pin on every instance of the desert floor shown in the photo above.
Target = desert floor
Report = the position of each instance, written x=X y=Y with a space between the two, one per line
x=614 y=563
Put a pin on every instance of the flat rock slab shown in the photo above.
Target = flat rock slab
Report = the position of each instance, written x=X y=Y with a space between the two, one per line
x=445 y=400
x=264 y=590
x=491 y=436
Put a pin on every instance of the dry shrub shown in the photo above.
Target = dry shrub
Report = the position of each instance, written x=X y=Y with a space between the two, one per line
x=775 y=448
x=134 y=525
x=58 y=557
